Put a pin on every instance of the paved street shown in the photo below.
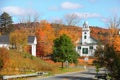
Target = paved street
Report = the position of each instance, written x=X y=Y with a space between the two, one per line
x=89 y=74
x=85 y=75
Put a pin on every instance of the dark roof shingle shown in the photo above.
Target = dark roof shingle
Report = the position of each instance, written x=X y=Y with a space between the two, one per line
x=4 y=39
x=31 y=39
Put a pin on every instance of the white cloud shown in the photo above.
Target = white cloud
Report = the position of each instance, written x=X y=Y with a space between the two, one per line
x=104 y=19
x=70 y=5
x=14 y=10
x=86 y=15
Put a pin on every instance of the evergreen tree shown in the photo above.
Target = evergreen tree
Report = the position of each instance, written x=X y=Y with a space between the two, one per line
x=5 y=23
x=63 y=50
x=5 y=19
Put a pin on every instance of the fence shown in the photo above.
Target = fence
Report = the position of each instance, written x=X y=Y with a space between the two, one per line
x=23 y=75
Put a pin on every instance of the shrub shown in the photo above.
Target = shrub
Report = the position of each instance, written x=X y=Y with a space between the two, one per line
x=4 y=54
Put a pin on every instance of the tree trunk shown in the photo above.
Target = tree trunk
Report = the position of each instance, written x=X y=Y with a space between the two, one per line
x=62 y=65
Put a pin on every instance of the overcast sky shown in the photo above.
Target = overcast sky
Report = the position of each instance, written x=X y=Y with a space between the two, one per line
x=95 y=11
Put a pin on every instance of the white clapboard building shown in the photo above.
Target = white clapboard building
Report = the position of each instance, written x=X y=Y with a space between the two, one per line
x=86 y=45
x=32 y=41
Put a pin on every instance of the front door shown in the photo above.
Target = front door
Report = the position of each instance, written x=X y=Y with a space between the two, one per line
x=85 y=51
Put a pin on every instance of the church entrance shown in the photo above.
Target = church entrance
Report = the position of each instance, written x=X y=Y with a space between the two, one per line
x=85 y=51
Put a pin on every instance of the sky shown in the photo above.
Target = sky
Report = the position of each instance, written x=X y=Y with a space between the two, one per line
x=96 y=12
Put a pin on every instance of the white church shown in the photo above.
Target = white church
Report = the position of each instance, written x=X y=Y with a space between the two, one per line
x=87 y=45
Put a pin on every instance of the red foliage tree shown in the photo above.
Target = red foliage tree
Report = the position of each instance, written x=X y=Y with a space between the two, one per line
x=45 y=36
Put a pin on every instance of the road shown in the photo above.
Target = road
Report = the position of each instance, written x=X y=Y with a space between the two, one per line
x=85 y=75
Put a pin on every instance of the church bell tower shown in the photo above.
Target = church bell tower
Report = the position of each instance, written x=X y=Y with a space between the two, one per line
x=85 y=33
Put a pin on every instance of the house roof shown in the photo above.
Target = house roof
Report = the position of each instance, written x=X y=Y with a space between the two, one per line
x=4 y=39
x=94 y=39
x=31 y=39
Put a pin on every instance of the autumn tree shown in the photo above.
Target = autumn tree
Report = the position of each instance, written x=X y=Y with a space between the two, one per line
x=45 y=36
x=114 y=35
x=4 y=57
x=18 y=39
x=40 y=42
x=30 y=23
x=63 y=50
x=110 y=55
x=116 y=43
x=72 y=32
x=57 y=28
x=113 y=24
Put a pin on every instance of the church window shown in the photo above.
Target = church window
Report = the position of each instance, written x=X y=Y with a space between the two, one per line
x=79 y=47
x=91 y=47
x=84 y=37
x=85 y=50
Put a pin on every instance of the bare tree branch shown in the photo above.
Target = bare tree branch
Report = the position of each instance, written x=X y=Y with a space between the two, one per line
x=72 y=19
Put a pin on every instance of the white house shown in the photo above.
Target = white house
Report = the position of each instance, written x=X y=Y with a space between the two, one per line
x=32 y=41
x=87 y=45
x=4 y=42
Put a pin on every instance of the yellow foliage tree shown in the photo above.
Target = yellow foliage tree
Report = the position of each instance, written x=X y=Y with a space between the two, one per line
x=18 y=39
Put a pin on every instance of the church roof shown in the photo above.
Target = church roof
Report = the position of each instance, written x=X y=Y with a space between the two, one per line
x=93 y=41
x=85 y=23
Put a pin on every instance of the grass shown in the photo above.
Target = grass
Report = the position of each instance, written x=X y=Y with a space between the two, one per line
x=23 y=63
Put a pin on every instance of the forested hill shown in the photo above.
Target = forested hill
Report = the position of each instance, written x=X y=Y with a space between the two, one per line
x=74 y=32
x=46 y=33
x=98 y=33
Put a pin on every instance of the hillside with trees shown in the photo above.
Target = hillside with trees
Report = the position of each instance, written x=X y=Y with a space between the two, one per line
x=18 y=60
x=47 y=32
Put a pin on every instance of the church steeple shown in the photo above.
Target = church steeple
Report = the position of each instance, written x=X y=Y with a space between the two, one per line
x=85 y=33
x=85 y=25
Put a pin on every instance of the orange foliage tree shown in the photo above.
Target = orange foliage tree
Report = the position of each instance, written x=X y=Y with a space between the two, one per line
x=72 y=32
x=4 y=57
x=116 y=43
x=45 y=36
x=112 y=34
